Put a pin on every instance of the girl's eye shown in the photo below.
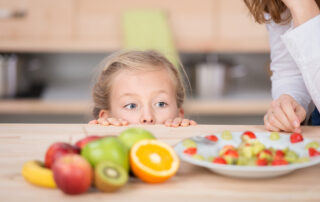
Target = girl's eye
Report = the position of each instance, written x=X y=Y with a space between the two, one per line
x=161 y=104
x=130 y=106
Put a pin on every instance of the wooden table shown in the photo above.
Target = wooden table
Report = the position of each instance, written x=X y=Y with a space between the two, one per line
x=23 y=142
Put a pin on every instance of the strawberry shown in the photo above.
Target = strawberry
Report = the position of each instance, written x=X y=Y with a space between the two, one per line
x=279 y=162
x=262 y=162
x=225 y=149
x=313 y=152
x=265 y=154
x=212 y=138
x=219 y=160
x=296 y=137
x=267 y=151
x=228 y=147
x=250 y=134
x=232 y=153
x=190 y=151
x=279 y=154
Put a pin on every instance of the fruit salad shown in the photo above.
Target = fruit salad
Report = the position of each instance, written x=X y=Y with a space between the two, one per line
x=251 y=149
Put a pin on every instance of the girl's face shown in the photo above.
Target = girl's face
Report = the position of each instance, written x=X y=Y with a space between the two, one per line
x=143 y=97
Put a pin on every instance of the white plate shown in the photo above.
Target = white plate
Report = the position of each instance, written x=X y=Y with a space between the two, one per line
x=207 y=150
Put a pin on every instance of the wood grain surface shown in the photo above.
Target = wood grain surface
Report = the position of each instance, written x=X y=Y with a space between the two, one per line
x=23 y=142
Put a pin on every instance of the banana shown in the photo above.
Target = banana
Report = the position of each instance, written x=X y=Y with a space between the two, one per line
x=35 y=173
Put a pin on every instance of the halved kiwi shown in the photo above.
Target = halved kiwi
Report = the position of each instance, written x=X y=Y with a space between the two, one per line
x=109 y=176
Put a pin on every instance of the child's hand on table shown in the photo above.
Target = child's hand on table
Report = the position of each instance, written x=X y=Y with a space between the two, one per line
x=177 y=122
x=109 y=122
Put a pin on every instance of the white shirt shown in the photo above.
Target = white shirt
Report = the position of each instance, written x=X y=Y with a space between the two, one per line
x=295 y=61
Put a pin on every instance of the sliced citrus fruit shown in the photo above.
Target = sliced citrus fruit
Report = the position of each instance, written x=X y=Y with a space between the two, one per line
x=153 y=161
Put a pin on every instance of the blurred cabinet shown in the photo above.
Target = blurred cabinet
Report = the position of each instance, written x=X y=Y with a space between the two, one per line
x=95 y=25
x=192 y=23
x=27 y=25
x=237 y=30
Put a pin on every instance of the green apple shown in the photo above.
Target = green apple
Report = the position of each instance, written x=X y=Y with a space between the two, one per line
x=132 y=135
x=108 y=148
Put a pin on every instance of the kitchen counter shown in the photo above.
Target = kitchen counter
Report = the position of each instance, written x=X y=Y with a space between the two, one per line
x=23 y=142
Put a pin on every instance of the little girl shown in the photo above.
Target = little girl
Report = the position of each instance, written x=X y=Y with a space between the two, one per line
x=139 y=87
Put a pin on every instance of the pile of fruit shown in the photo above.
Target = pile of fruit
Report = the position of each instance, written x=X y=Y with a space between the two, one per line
x=251 y=151
x=103 y=162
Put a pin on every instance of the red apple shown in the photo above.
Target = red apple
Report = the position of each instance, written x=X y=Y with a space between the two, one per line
x=81 y=143
x=57 y=150
x=72 y=174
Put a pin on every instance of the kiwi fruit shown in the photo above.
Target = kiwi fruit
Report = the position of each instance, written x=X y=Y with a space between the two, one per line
x=109 y=176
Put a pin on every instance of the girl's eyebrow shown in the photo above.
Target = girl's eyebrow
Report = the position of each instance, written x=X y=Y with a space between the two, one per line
x=157 y=92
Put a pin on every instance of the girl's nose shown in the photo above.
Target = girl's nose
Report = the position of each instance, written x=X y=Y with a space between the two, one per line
x=147 y=117
x=147 y=121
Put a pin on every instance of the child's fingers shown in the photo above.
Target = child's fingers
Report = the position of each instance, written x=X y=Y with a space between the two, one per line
x=185 y=122
x=168 y=122
x=193 y=123
x=113 y=121
x=93 y=122
x=103 y=122
x=123 y=122
x=177 y=122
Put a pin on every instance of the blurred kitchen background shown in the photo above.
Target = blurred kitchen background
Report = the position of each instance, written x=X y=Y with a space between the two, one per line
x=50 y=53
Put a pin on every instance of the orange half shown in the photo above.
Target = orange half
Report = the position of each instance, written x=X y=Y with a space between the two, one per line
x=153 y=161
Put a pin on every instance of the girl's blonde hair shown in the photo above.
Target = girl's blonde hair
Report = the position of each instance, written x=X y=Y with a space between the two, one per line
x=136 y=61
x=273 y=7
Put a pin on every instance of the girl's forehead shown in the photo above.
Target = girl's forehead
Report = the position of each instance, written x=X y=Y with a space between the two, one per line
x=144 y=71
x=137 y=79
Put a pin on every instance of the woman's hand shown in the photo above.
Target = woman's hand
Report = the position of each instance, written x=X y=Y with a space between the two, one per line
x=302 y=10
x=109 y=122
x=179 y=122
x=284 y=114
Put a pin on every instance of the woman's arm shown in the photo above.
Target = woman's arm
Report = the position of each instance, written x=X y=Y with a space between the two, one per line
x=286 y=77
x=303 y=43
x=302 y=10
x=288 y=111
